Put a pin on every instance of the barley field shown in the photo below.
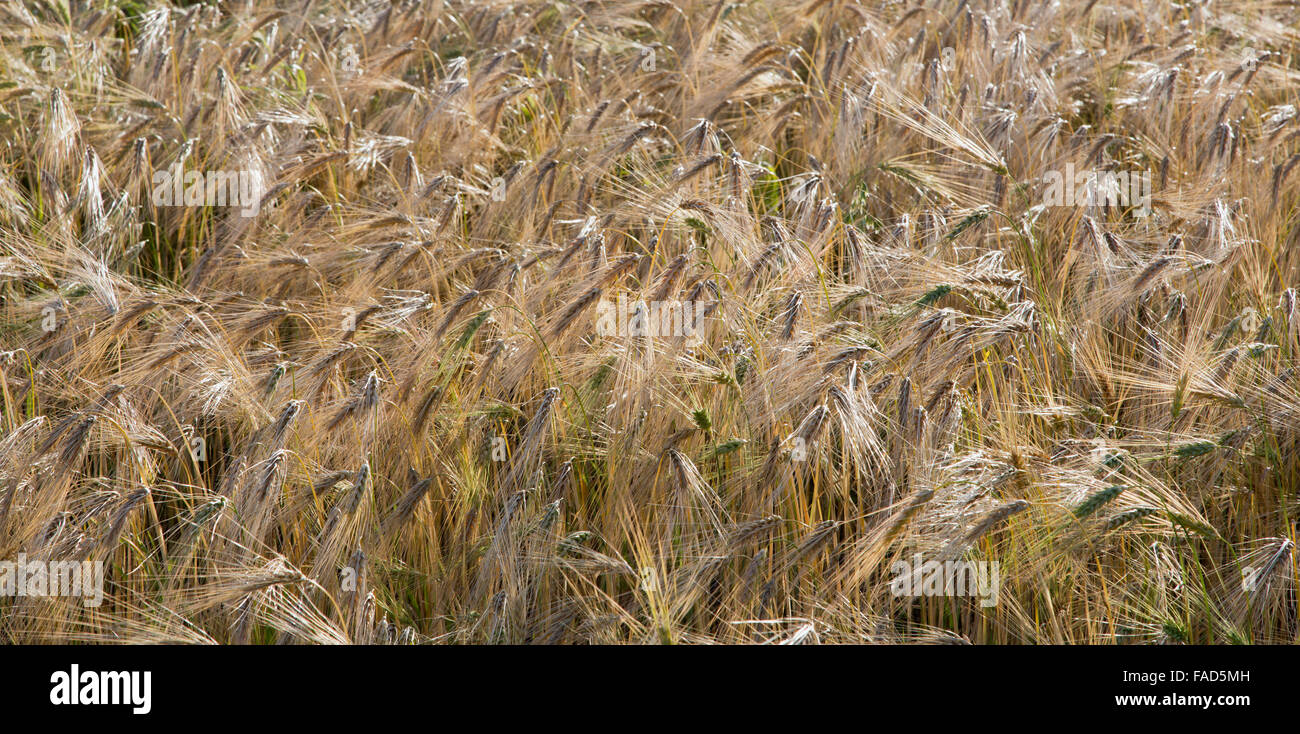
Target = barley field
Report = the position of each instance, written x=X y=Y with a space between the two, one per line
x=650 y=321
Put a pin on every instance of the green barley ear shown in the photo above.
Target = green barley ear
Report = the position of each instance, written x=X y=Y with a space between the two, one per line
x=274 y=379
x=1228 y=332
x=702 y=421
x=1193 y=526
x=1096 y=500
x=701 y=230
x=933 y=295
x=1236 y=636
x=550 y=514
x=902 y=172
x=727 y=447
x=1236 y=437
x=573 y=541
x=204 y=513
x=602 y=375
x=472 y=328
x=1180 y=392
x=1259 y=348
x=1129 y=516
x=1114 y=459
x=502 y=412
x=1175 y=632
x=742 y=369
x=849 y=300
x=1093 y=414
x=1192 y=450
x=970 y=220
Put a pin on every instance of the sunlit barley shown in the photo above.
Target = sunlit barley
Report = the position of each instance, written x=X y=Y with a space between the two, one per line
x=527 y=322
